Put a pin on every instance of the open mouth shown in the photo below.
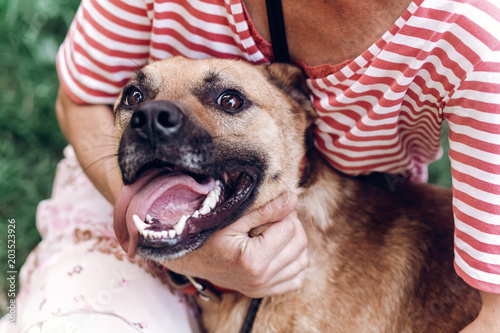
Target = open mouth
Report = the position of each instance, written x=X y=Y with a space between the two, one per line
x=175 y=207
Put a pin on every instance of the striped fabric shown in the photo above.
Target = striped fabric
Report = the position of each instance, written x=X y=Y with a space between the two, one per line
x=381 y=111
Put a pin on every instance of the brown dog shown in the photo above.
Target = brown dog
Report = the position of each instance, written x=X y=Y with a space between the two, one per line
x=203 y=142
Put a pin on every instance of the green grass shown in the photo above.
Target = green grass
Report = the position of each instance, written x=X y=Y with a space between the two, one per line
x=440 y=171
x=30 y=141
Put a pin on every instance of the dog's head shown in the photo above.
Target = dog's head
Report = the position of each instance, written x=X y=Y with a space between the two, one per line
x=201 y=142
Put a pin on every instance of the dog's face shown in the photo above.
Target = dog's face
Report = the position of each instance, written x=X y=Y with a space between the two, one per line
x=201 y=142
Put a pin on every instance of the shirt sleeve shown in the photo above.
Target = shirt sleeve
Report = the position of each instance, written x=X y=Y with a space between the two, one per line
x=106 y=44
x=473 y=115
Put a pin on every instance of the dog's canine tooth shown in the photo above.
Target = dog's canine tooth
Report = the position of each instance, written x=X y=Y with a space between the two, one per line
x=139 y=224
x=179 y=227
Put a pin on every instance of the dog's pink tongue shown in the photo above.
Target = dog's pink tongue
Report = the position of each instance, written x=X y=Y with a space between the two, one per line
x=166 y=196
x=167 y=199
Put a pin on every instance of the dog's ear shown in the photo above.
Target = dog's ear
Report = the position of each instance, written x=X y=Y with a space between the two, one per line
x=292 y=80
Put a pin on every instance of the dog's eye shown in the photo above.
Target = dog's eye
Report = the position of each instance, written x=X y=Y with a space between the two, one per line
x=133 y=97
x=230 y=101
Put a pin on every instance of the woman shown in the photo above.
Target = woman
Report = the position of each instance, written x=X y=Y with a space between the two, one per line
x=383 y=76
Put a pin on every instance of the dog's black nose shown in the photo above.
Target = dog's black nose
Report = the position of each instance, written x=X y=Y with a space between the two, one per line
x=157 y=119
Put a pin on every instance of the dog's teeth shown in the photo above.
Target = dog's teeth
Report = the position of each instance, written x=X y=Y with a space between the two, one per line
x=205 y=203
x=148 y=218
x=164 y=234
x=171 y=233
x=196 y=214
x=139 y=224
x=211 y=200
x=179 y=227
x=204 y=210
x=218 y=187
x=205 y=207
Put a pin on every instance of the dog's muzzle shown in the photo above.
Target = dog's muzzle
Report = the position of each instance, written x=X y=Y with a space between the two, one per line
x=183 y=188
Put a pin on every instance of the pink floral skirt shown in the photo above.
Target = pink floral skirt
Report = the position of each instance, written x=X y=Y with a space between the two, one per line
x=78 y=279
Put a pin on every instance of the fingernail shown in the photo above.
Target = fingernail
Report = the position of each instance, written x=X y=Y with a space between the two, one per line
x=283 y=199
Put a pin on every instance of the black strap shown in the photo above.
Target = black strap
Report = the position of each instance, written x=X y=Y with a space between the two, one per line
x=277 y=30
x=250 y=317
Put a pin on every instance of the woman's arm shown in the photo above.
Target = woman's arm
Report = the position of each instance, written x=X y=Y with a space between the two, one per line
x=89 y=129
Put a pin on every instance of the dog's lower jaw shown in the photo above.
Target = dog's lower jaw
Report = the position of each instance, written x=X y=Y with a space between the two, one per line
x=161 y=255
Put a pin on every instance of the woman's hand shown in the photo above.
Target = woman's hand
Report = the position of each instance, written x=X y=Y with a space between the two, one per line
x=273 y=262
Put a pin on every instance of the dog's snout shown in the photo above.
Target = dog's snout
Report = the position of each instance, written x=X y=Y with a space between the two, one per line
x=157 y=119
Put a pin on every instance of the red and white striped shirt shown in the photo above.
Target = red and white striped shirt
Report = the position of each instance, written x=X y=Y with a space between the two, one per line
x=381 y=111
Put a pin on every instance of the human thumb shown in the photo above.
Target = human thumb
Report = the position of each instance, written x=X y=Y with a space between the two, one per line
x=273 y=211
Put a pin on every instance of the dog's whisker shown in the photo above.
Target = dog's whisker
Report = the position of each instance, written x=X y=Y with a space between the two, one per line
x=223 y=69
x=135 y=62
x=114 y=168
x=112 y=145
x=100 y=160
x=284 y=183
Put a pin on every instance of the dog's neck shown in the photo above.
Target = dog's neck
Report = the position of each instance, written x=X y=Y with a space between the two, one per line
x=312 y=198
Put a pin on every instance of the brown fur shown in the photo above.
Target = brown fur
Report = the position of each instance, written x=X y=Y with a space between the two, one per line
x=381 y=250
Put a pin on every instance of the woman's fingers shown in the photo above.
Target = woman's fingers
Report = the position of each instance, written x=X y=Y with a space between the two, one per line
x=272 y=262
x=282 y=258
